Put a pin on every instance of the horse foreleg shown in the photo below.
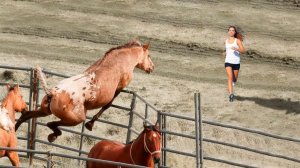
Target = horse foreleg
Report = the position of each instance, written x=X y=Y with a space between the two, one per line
x=14 y=158
x=26 y=115
x=89 y=125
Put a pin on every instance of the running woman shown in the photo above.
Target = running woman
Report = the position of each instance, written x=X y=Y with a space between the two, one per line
x=234 y=47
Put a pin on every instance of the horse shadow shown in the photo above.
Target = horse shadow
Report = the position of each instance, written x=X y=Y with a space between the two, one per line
x=291 y=107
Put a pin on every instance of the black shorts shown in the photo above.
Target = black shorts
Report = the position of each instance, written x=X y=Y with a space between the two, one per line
x=233 y=66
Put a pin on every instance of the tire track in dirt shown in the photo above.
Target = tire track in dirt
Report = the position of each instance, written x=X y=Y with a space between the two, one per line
x=169 y=47
x=172 y=47
x=119 y=12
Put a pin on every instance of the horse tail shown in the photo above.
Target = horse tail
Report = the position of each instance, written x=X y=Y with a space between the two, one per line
x=42 y=78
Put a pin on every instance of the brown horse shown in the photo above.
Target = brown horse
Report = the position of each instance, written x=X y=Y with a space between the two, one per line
x=143 y=151
x=12 y=103
x=95 y=87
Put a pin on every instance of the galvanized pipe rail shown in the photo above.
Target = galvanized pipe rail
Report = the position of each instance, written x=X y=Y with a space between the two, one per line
x=162 y=117
x=51 y=154
x=26 y=69
x=34 y=140
x=251 y=131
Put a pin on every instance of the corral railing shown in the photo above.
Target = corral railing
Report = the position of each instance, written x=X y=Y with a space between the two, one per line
x=50 y=155
x=260 y=133
x=134 y=115
x=31 y=135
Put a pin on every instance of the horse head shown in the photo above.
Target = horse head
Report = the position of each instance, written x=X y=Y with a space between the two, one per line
x=145 y=62
x=19 y=104
x=152 y=139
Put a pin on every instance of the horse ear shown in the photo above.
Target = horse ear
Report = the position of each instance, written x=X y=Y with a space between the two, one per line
x=8 y=87
x=146 y=46
x=157 y=125
x=145 y=124
x=17 y=87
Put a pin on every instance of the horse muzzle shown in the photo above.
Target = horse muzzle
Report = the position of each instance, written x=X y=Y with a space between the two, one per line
x=149 y=70
x=156 y=160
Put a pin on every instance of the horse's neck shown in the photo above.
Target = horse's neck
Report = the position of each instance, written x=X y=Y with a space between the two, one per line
x=123 y=61
x=139 y=155
x=9 y=105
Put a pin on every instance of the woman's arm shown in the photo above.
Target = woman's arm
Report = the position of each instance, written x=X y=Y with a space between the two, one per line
x=241 y=47
x=224 y=53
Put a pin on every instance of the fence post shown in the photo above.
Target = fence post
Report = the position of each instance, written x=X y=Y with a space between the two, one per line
x=159 y=120
x=30 y=108
x=49 y=160
x=200 y=130
x=33 y=120
x=81 y=140
x=197 y=130
x=132 y=108
x=146 y=112
x=165 y=140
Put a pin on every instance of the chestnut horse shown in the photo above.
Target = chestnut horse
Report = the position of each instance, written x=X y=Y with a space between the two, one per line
x=12 y=103
x=95 y=87
x=143 y=151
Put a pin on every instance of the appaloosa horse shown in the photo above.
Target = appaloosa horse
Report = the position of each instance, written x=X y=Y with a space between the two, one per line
x=95 y=87
x=12 y=103
x=145 y=150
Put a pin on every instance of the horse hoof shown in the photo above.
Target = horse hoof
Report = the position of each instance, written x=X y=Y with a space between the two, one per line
x=52 y=137
x=89 y=125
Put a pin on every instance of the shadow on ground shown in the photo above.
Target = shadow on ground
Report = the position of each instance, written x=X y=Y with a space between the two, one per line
x=275 y=103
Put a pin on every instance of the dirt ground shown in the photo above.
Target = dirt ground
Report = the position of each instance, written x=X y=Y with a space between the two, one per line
x=187 y=39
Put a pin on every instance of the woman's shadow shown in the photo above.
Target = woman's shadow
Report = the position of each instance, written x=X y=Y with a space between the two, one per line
x=275 y=103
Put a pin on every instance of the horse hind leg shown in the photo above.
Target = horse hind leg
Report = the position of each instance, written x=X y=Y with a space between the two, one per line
x=31 y=114
x=56 y=131
x=41 y=112
x=14 y=158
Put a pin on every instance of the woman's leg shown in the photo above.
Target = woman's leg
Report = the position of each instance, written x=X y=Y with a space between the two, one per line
x=235 y=75
x=230 y=78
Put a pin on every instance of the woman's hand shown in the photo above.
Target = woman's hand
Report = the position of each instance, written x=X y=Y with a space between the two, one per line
x=235 y=49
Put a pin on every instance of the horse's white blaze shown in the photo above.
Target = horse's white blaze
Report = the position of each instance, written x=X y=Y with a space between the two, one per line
x=80 y=88
x=154 y=135
x=5 y=121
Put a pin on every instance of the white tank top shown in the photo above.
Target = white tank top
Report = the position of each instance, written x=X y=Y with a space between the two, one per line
x=232 y=57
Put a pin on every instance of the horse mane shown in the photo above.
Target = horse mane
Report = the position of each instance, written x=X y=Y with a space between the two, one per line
x=130 y=44
x=133 y=43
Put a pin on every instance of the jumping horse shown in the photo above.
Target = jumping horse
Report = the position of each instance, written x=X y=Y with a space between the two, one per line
x=12 y=103
x=145 y=150
x=96 y=87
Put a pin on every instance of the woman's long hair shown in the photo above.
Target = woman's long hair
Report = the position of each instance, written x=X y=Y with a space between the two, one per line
x=237 y=34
